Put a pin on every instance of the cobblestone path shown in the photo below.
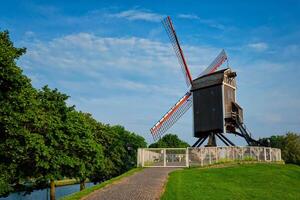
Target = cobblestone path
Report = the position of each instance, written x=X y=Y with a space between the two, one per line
x=147 y=184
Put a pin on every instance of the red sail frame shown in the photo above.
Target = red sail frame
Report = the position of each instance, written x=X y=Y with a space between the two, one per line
x=172 y=115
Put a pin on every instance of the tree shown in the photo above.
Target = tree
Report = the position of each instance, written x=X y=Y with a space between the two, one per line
x=82 y=147
x=276 y=141
x=130 y=142
x=17 y=112
x=169 y=141
x=52 y=156
x=112 y=150
x=291 y=150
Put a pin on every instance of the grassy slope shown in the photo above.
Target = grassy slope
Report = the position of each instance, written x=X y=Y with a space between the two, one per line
x=249 y=181
x=87 y=191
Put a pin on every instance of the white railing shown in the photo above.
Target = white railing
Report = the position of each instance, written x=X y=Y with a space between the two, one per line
x=185 y=157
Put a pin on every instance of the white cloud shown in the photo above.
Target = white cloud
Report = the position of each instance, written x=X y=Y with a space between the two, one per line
x=209 y=22
x=259 y=46
x=138 y=15
x=188 y=16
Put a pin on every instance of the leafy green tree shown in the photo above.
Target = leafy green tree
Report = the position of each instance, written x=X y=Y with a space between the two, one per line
x=52 y=157
x=291 y=149
x=82 y=147
x=130 y=142
x=276 y=141
x=169 y=141
x=112 y=150
x=17 y=112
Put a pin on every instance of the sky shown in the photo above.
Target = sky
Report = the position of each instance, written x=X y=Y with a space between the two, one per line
x=115 y=61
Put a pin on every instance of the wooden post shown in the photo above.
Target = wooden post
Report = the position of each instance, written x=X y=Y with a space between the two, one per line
x=52 y=190
x=82 y=184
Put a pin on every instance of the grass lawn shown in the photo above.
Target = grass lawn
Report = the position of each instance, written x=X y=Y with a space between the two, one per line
x=246 y=181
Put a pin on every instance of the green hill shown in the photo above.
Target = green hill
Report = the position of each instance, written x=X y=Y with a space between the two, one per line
x=247 y=181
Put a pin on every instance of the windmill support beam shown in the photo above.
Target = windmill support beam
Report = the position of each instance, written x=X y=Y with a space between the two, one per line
x=199 y=142
x=202 y=141
x=226 y=139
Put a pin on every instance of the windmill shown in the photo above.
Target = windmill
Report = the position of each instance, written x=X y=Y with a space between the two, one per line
x=213 y=96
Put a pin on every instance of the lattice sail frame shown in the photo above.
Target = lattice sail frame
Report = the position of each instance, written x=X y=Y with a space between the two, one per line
x=178 y=51
x=172 y=116
x=216 y=63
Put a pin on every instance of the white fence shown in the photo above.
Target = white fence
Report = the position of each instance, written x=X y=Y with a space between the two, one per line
x=185 y=157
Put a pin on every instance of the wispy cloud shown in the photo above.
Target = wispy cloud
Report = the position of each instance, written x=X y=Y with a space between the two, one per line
x=188 y=16
x=259 y=46
x=93 y=55
x=143 y=15
x=209 y=22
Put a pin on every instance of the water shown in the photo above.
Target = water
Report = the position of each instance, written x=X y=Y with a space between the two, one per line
x=44 y=194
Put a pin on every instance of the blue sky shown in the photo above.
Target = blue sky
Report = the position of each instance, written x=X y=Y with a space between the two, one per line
x=115 y=61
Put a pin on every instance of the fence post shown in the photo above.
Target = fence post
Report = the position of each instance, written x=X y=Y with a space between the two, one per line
x=165 y=158
x=242 y=153
x=143 y=157
x=279 y=154
x=217 y=155
x=201 y=155
x=138 y=157
x=209 y=153
x=227 y=157
x=187 y=157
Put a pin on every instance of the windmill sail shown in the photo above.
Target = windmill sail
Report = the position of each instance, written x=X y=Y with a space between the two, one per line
x=178 y=51
x=171 y=116
x=216 y=63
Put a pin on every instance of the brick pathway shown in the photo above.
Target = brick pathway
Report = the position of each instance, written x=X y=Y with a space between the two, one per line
x=144 y=185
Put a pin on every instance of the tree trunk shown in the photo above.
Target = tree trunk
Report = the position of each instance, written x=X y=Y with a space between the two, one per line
x=52 y=190
x=82 y=184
